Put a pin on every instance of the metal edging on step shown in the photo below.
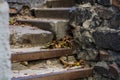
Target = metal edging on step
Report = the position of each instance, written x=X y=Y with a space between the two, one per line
x=41 y=54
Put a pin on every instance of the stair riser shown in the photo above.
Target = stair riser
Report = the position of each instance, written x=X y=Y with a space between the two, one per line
x=58 y=28
x=29 y=36
x=55 y=14
x=60 y=3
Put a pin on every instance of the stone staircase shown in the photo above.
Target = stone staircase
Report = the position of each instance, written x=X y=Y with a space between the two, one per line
x=30 y=35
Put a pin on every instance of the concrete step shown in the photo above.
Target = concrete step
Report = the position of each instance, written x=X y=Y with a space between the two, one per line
x=55 y=13
x=44 y=64
x=60 y=3
x=26 y=35
x=58 y=27
x=37 y=53
x=58 y=75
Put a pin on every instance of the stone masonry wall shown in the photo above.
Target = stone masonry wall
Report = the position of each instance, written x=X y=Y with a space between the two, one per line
x=5 y=65
x=30 y=3
x=95 y=26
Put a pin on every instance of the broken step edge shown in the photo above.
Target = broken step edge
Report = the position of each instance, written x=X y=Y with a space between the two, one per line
x=22 y=55
x=42 y=23
x=62 y=75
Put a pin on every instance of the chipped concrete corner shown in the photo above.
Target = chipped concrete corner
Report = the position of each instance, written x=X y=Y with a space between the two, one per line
x=5 y=65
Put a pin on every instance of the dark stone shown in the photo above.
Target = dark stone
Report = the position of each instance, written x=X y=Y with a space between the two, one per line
x=107 y=38
x=80 y=1
x=114 y=57
x=104 y=13
x=114 y=71
x=102 y=68
x=96 y=22
x=80 y=15
x=84 y=1
x=19 y=4
x=87 y=39
x=25 y=1
x=104 y=2
x=115 y=21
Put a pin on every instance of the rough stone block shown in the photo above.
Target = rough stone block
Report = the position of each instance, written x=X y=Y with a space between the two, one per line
x=29 y=35
x=58 y=27
x=104 y=13
x=107 y=38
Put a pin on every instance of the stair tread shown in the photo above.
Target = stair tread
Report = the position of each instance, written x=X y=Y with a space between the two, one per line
x=56 y=26
x=36 y=67
x=44 y=20
x=21 y=36
x=25 y=50
x=27 y=29
x=57 y=74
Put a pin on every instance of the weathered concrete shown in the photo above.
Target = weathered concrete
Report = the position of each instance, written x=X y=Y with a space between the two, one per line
x=5 y=65
x=32 y=3
x=29 y=36
x=55 y=13
x=61 y=75
x=58 y=27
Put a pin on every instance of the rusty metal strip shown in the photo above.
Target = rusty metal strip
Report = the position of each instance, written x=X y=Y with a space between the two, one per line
x=42 y=54
x=64 y=75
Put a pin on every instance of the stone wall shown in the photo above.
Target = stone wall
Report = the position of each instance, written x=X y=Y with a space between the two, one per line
x=95 y=26
x=5 y=65
x=19 y=5
x=31 y=3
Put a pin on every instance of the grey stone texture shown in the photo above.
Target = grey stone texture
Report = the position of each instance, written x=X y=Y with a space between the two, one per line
x=19 y=4
x=107 y=38
x=29 y=36
x=56 y=26
x=95 y=27
x=32 y=3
